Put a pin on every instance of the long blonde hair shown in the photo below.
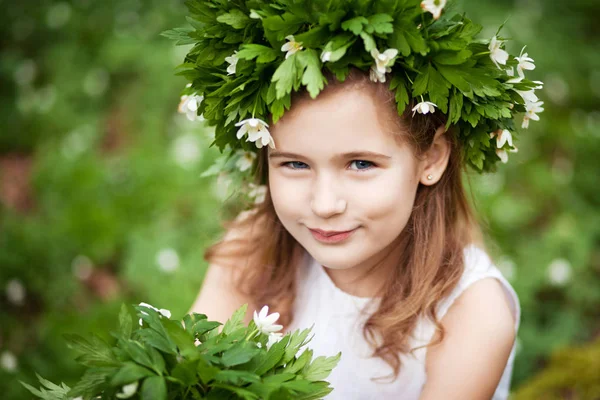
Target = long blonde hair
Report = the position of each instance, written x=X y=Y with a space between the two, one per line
x=441 y=224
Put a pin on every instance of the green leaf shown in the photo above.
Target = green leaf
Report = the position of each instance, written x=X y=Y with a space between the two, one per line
x=355 y=25
x=284 y=77
x=239 y=354
x=381 y=23
x=398 y=84
x=321 y=367
x=263 y=54
x=93 y=382
x=421 y=82
x=369 y=41
x=154 y=388
x=186 y=372
x=235 y=18
x=130 y=372
x=96 y=353
x=453 y=57
x=297 y=340
x=236 y=321
x=206 y=371
x=125 y=324
x=183 y=339
x=312 y=77
x=238 y=378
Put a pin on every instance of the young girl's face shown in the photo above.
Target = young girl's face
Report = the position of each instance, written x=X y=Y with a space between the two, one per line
x=337 y=168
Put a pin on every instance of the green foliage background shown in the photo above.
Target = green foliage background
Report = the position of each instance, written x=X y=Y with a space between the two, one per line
x=98 y=175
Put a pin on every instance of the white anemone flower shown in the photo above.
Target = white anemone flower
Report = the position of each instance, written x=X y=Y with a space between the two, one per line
x=376 y=76
x=424 y=107
x=245 y=160
x=525 y=63
x=528 y=95
x=435 y=7
x=384 y=60
x=232 y=60
x=273 y=338
x=503 y=154
x=266 y=323
x=531 y=111
x=8 y=361
x=502 y=137
x=325 y=56
x=128 y=390
x=291 y=46
x=257 y=132
x=257 y=192
x=497 y=55
x=189 y=106
x=162 y=311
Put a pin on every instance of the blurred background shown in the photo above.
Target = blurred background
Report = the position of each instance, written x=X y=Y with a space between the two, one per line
x=101 y=201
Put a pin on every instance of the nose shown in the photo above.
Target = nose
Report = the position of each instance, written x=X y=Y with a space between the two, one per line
x=326 y=201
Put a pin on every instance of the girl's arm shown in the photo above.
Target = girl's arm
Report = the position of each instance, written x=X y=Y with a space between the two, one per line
x=219 y=297
x=480 y=332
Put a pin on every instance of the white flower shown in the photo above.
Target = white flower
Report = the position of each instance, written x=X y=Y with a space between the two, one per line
x=531 y=110
x=559 y=272
x=435 y=7
x=266 y=323
x=497 y=55
x=128 y=390
x=525 y=63
x=8 y=361
x=376 y=76
x=232 y=60
x=424 y=107
x=257 y=132
x=503 y=154
x=325 y=56
x=185 y=150
x=167 y=260
x=82 y=267
x=273 y=338
x=291 y=46
x=529 y=96
x=15 y=292
x=245 y=160
x=257 y=192
x=162 y=311
x=189 y=106
x=539 y=84
x=502 y=137
x=384 y=60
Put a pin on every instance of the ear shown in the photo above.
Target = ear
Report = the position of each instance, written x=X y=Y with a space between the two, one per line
x=436 y=158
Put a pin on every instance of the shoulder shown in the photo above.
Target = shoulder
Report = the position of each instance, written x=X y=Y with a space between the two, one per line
x=479 y=335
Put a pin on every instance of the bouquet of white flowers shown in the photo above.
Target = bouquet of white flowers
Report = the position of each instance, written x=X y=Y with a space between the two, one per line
x=161 y=359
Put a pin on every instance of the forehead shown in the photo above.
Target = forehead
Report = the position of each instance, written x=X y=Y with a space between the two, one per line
x=337 y=121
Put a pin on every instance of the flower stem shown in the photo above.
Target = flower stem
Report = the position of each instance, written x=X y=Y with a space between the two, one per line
x=252 y=334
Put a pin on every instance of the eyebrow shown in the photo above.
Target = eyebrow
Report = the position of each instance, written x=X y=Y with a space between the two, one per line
x=353 y=154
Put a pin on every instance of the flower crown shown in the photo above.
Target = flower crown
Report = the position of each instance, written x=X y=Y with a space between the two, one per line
x=250 y=55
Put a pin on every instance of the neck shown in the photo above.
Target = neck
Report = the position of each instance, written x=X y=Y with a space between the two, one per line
x=368 y=278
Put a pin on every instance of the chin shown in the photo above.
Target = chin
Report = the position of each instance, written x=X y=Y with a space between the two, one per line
x=334 y=257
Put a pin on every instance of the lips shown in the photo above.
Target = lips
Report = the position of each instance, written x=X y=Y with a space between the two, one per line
x=331 y=236
x=329 y=233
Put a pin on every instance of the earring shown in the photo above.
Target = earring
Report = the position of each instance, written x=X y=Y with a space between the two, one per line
x=429 y=177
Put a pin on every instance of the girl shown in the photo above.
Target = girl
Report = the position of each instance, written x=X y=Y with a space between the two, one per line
x=366 y=233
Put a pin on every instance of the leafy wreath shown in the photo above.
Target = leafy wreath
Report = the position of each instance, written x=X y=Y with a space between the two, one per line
x=248 y=56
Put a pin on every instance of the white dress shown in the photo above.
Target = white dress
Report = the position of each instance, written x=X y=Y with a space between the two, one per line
x=338 y=323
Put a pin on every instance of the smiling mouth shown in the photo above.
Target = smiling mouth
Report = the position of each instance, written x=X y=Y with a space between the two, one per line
x=331 y=236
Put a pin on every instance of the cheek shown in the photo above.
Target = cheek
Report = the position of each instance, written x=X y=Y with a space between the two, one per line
x=285 y=195
x=389 y=201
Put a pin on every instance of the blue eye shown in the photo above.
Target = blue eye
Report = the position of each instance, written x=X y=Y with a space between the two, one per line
x=295 y=165
x=362 y=165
